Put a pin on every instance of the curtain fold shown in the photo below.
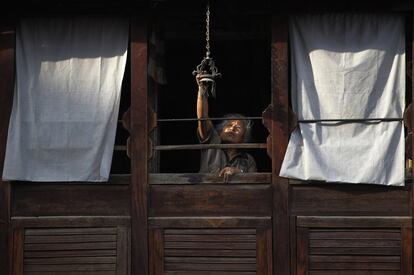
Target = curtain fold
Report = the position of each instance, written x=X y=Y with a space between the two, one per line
x=69 y=73
x=347 y=66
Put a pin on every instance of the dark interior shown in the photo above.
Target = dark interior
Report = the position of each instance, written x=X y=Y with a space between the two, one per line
x=240 y=47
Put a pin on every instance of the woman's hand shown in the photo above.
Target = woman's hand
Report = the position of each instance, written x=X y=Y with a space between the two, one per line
x=202 y=85
x=228 y=172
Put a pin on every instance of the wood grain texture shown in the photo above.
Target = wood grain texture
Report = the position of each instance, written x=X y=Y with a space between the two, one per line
x=410 y=85
x=264 y=251
x=353 y=250
x=70 y=249
x=156 y=251
x=7 y=49
x=70 y=221
x=101 y=272
x=154 y=133
x=33 y=199
x=407 y=250
x=209 y=146
x=123 y=251
x=348 y=200
x=293 y=244
x=210 y=200
x=210 y=272
x=5 y=235
x=335 y=245
x=280 y=138
x=17 y=251
x=408 y=235
x=199 y=178
x=302 y=251
x=345 y=222
x=353 y=272
x=139 y=142
x=209 y=222
x=215 y=242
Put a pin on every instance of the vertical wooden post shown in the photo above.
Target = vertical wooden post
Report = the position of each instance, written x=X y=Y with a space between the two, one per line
x=407 y=250
x=122 y=263
x=293 y=245
x=411 y=36
x=280 y=137
x=139 y=142
x=264 y=251
x=17 y=251
x=7 y=48
x=302 y=262
x=156 y=261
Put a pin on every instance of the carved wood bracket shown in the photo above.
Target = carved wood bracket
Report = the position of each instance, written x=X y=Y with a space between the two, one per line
x=267 y=116
x=408 y=114
x=152 y=124
x=126 y=123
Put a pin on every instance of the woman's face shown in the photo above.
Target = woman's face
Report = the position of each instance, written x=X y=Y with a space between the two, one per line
x=233 y=131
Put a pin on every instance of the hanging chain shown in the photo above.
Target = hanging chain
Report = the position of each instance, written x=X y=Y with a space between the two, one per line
x=208 y=29
x=207 y=70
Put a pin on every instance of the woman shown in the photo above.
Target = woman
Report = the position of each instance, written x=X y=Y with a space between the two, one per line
x=235 y=129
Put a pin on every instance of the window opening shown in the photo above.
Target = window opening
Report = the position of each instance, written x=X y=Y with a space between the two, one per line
x=352 y=87
x=121 y=163
x=60 y=64
x=243 y=52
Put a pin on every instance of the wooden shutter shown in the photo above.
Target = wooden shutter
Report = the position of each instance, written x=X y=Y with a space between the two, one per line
x=353 y=245
x=177 y=249
x=210 y=250
x=90 y=250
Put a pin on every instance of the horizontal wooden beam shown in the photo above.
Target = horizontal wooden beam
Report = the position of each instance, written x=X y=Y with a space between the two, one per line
x=114 y=179
x=210 y=146
x=317 y=221
x=331 y=199
x=54 y=199
x=70 y=221
x=210 y=200
x=209 y=222
x=319 y=183
x=210 y=118
x=219 y=36
x=199 y=178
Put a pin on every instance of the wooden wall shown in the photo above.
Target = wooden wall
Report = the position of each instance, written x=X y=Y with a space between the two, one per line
x=139 y=141
x=7 y=37
x=70 y=228
x=132 y=225
x=59 y=228
x=341 y=229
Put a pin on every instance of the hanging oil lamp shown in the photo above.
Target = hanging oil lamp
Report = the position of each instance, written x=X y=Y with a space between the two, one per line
x=207 y=70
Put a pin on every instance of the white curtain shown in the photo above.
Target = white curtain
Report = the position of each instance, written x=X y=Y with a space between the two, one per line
x=68 y=83
x=347 y=66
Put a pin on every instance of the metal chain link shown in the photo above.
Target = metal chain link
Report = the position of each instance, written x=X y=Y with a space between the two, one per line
x=208 y=29
x=207 y=70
